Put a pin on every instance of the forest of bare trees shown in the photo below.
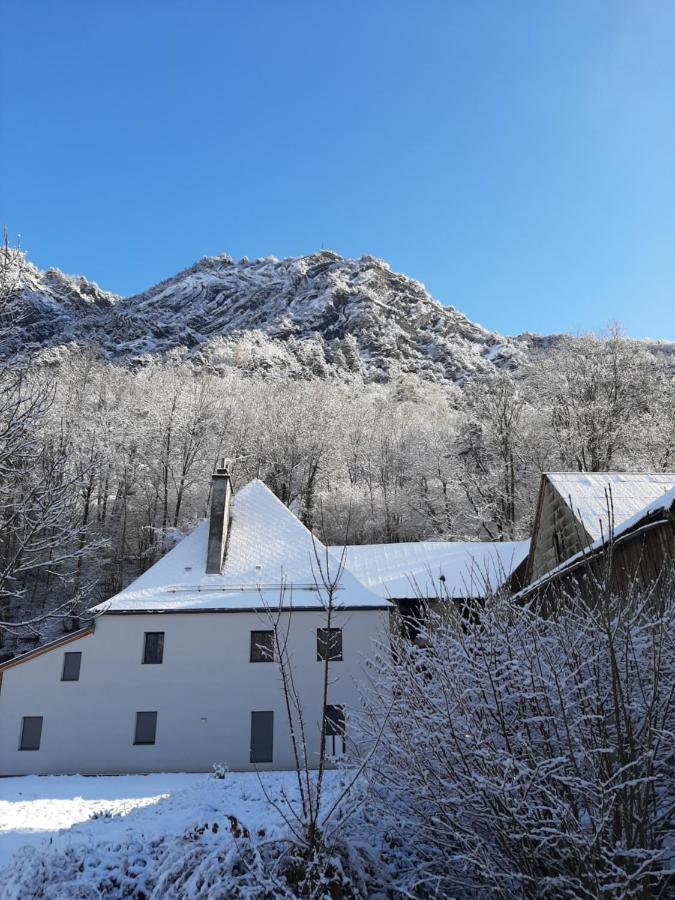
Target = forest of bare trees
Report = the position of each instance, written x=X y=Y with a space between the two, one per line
x=103 y=466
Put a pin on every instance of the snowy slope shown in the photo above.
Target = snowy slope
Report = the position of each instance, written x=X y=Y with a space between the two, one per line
x=314 y=315
x=53 y=308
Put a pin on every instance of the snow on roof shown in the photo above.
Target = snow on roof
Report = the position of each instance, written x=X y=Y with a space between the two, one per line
x=587 y=494
x=413 y=569
x=267 y=547
x=663 y=503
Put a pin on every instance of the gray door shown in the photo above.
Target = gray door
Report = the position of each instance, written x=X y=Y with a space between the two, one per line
x=262 y=736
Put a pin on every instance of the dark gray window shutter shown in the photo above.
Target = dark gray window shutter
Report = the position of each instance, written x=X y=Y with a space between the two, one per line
x=146 y=728
x=71 y=666
x=31 y=732
x=153 y=650
x=262 y=737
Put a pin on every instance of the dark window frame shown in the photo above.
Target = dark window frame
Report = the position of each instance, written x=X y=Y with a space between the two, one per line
x=334 y=724
x=335 y=729
x=140 y=743
x=23 y=736
x=258 y=653
x=325 y=637
x=64 y=671
x=159 y=648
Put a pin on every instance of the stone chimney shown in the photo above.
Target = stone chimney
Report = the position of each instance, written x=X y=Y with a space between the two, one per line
x=219 y=520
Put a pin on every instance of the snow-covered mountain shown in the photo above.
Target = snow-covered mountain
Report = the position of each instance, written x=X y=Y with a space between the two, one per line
x=320 y=314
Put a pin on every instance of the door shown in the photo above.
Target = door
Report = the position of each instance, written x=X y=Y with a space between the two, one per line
x=262 y=737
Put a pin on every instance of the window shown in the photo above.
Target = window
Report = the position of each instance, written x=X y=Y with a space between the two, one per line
x=146 y=728
x=262 y=646
x=153 y=651
x=329 y=643
x=31 y=732
x=334 y=725
x=71 y=666
x=262 y=737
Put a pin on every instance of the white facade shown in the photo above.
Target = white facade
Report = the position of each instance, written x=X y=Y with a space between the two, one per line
x=232 y=575
x=202 y=696
x=203 y=692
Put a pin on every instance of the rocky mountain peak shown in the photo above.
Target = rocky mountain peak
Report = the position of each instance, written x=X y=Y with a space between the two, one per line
x=349 y=317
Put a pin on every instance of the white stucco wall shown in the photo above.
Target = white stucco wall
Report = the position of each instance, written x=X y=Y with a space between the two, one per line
x=203 y=693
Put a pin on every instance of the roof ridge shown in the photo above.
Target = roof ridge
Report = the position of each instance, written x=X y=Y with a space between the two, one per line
x=608 y=472
x=258 y=481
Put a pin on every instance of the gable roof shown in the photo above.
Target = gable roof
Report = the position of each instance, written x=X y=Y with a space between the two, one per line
x=587 y=493
x=408 y=570
x=656 y=511
x=269 y=561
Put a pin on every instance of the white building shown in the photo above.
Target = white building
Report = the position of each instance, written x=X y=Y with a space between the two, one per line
x=176 y=674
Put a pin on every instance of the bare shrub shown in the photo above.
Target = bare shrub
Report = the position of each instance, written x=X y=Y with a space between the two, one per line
x=531 y=756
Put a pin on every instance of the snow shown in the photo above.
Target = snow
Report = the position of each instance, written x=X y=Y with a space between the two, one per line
x=494 y=351
x=406 y=570
x=34 y=809
x=664 y=502
x=55 y=811
x=267 y=548
x=322 y=297
x=587 y=495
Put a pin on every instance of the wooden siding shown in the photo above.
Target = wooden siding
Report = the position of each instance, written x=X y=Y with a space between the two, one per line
x=642 y=559
x=557 y=533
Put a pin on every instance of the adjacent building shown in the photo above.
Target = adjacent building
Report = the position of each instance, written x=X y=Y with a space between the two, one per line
x=436 y=575
x=635 y=553
x=575 y=509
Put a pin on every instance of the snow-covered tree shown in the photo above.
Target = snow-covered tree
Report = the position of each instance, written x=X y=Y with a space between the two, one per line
x=530 y=756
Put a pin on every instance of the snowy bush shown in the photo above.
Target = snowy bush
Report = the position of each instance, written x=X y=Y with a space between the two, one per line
x=212 y=861
x=199 y=864
x=533 y=757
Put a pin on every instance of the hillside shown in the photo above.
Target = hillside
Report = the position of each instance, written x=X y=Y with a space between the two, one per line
x=320 y=314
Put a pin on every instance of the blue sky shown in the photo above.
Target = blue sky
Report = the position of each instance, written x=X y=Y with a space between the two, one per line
x=516 y=157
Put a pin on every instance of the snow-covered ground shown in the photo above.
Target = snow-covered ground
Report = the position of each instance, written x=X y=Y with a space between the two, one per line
x=34 y=809
x=56 y=812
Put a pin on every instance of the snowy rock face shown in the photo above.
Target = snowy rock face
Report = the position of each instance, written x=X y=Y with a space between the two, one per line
x=317 y=315
x=49 y=308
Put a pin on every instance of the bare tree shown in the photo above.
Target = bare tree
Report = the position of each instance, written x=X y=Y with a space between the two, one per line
x=42 y=539
x=313 y=866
